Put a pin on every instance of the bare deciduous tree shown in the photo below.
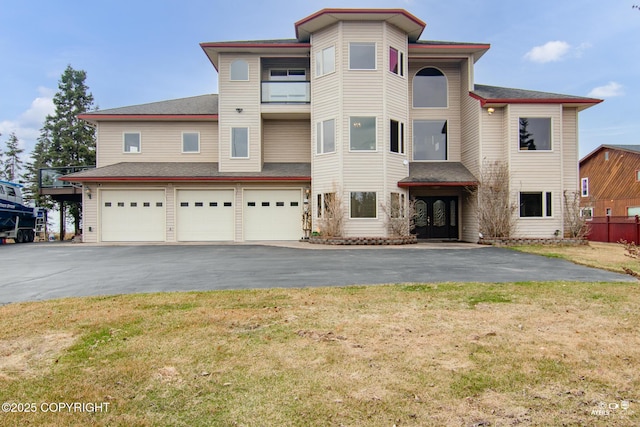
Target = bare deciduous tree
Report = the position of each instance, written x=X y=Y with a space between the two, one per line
x=575 y=223
x=331 y=221
x=400 y=218
x=495 y=207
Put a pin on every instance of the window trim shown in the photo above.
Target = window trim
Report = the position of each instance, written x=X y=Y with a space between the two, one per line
x=546 y=207
x=413 y=93
x=413 y=140
x=584 y=187
x=320 y=142
x=238 y=60
x=124 y=146
x=288 y=77
x=400 y=60
x=401 y=137
x=194 y=133
x=361 y=217
x=375 y=56
x=375 y=127
x=638 y=175
x=320 y=61
x=551 y=141
x=231 y=156
x=401 y=208
x=582 y=213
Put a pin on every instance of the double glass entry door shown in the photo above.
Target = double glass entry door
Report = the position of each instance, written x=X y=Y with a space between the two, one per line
x=436 y=217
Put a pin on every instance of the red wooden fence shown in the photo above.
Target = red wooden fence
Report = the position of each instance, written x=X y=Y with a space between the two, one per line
x=614 y=228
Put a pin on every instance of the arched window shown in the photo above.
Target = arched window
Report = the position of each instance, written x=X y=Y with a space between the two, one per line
x=430 y=89
x=239 y=70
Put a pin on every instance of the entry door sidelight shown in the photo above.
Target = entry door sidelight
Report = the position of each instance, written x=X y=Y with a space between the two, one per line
x=437 y=217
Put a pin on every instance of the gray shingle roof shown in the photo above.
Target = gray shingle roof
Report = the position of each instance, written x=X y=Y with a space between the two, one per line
x=439 y=173
x=156 y=171
x=495 y=92
x=195 y=105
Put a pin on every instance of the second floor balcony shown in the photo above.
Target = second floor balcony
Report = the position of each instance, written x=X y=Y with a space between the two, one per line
x=286 y=92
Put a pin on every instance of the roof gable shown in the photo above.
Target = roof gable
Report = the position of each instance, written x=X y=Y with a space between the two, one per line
x=628 y=148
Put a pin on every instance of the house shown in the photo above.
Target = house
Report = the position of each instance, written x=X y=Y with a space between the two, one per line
x=355 y=108
x=610 y=181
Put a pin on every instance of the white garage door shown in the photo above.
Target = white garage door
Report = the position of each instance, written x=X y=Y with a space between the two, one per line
x=132 y=215
x=272 y=214
x=204 y=215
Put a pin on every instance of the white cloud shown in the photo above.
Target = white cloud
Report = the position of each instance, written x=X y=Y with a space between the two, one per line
x=609 y=90
x=548 y=52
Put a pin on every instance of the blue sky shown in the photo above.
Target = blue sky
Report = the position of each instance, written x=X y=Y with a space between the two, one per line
x=136 y=52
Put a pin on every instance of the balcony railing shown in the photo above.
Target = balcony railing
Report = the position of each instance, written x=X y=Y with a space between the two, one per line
x=274 y=92
x=49 y=177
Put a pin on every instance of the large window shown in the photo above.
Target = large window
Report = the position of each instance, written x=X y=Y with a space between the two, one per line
x=430 y=89
x=239 y=70
x=535 y=204
x=325 y=61
x=240 y=143
x=363 y=204
x=190 y=142
x=131 y=142
x=362 y=56
x=535 y=133
x=430 y=140
x=362 y=134
x=396 y=137
x=396 y=61
x=326 y=137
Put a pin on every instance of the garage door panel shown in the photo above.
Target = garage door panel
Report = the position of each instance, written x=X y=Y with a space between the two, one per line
x=272 y=215
x=205 y=215
x=132 y=215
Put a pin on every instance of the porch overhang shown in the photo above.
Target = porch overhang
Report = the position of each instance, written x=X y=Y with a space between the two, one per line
x=438 y=174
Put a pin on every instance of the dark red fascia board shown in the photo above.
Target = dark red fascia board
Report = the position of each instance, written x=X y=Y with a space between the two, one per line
x=257 y=44
x=359 y=11
x=187 y=178
x=449 y=46
x=438 y=184
x=148 y=116
x=485 y=101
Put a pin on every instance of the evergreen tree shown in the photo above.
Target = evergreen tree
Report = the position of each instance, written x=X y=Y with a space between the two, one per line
x=526 y=142
x=1 y=163
x=64 y=139
x=13 y=163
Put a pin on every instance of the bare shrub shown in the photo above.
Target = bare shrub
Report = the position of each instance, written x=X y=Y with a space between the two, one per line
x=331 y=221
x=495 y=207
x=575 y=224
x=400 y=218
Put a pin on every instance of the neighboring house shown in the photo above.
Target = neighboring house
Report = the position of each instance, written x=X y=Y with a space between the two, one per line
x=610 y=181
x=356 y=105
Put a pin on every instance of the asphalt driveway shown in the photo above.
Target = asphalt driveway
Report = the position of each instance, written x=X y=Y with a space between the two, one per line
x=42 y=271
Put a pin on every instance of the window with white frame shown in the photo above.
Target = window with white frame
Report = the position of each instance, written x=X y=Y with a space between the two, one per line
x=363 y=204
x=535 y=204
x=362 y=56
x=131 y=142
x=288 y=74
x=397 y=205
x=430 y=89
x=362 y=133
x=607 y=211
x=584 y=187
x=239 y=143
x=396 y=61
x=534 y=133
x=326 y=205
x=430 y=140
x=396 y=137
x=638 y=175
x=239 y=70
x=190 y=142
x=326 y=136
x=326 y=61
x=586 y=213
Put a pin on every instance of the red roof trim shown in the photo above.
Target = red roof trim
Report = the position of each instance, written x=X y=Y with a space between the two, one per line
x=357 y=11
x=148 y=116
x=187 y=178
x=485 y=101
x=438 y=184
x=255 y=45
x=449 y=46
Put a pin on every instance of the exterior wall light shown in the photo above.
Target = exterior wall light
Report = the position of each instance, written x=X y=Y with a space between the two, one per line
x=491 y=110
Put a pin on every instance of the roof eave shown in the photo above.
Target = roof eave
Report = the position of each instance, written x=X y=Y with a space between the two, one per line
x=580 y=103
x=214 y=49
x=96 y=117
x=187 y=178
x=407 y=184
x=477 y=50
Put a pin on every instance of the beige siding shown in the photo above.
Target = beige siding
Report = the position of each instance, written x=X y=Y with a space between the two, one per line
x=286 y=141
x=494 y=146
x=243 y=95
x=159 y=142
x=90 y=214
x=470 y=150
x=537 y=171
x=570 y=149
